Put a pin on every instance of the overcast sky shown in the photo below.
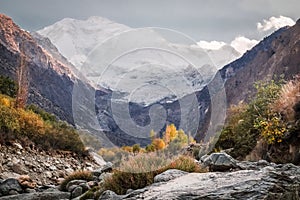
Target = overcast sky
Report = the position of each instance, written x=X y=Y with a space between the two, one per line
x=221 y=20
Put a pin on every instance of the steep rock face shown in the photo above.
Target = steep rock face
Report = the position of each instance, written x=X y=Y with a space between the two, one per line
x=50 y=81
x=276 y=55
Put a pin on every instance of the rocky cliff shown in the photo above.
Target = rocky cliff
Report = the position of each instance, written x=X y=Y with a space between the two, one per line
x=50 y=80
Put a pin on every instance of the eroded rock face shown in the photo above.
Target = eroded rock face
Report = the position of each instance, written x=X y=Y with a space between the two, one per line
x=269 y=182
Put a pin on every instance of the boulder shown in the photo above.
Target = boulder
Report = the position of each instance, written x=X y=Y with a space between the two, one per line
x=105 y=168
x=8 y=185
x=73 y=184
x=219 y=162
x=169 y=175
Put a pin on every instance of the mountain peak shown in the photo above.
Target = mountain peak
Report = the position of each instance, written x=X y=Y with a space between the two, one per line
x=76 y=38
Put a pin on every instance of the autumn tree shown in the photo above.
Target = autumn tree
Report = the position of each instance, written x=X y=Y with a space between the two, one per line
x=158 y=144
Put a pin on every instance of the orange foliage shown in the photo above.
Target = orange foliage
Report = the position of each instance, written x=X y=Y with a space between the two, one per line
x=158 y=144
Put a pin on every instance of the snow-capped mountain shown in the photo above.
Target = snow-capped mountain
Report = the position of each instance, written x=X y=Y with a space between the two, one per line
x=76 y=38
x=145 y=64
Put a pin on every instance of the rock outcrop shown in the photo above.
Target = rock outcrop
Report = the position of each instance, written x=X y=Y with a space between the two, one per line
x=248 y=180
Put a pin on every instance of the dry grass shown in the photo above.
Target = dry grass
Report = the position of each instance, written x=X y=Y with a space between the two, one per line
x=139 y=171
x=288 y=98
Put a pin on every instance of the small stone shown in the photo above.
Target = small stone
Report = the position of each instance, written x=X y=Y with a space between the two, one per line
x=18 y=145
x=9 y=164
x=13 y=192
x=52 y=168
x=129 y=191
x=92 y=184
x=48 y=174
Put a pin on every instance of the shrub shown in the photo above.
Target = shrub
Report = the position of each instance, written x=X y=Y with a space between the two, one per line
x=7 y=86
x=45 y=115
x=18 y=123
x=77 y=175
x=136 y=148
x=9 y=124
x=242 y=130
x=61 y=136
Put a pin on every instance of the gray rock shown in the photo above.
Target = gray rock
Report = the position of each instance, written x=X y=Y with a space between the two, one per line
x=13 y=192
x=169 y=175
x=76 y=192
x=74 y=182
x=109 y=195
x=71 y=188
x=52 y=168
x=10 y=184
x=107 y=167
x=39 y=196
x=219 y=162
x=85 y=187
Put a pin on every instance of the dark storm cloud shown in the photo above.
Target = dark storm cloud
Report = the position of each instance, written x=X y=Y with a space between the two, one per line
x=201 y=19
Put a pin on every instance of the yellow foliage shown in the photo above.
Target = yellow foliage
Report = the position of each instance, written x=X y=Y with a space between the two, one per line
x=31 y=123
x=5 y=101
x=272 y=129
x=158 y=144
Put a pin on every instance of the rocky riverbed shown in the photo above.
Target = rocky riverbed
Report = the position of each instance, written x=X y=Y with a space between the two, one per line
x=228 y=178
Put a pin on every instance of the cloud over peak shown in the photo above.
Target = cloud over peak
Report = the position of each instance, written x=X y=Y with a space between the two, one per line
x=212 y=45
x=274 y=23
x=242 y=44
